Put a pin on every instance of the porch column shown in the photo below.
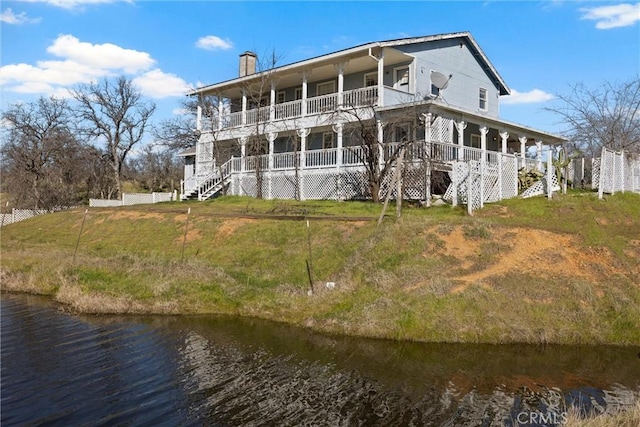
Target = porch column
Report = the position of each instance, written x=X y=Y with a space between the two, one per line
x=302 y=133
x=539 y=154
x=337 y=128
x=199 y=118
x=504 y=136
x=219 y=114
x=523 y=150
x=271 y=136
x=244 y=107
x=380 y=126
x=305 y=78
x=381 y=78
x=484 y=130
x=272 y=102
x=460 y=127
x=340 y=68
x=243 y=159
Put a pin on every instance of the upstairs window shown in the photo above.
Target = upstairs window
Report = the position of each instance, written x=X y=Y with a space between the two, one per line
x=371 y=79
x=475 y=140
x=325 y=88
x=482 y=99
x=401 y=79
x=281 y=97
x=297 y=94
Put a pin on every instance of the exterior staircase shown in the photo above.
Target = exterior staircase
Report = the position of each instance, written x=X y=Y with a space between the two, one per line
x=211 y=185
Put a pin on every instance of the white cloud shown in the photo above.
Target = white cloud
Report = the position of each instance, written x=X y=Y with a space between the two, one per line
x=214 y=43
x=531 y=97
x=158 y=84
x=82 y=62
x=73 y=4
x=102 y=56
x=615 y=16
x=8 y=17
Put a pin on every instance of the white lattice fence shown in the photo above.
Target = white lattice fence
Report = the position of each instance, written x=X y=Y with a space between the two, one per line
x=319 y=186
x=509 y=177
x=618 y=172
x=595 y=172
x=283 y=186
x=441 y=129
x=474 y=184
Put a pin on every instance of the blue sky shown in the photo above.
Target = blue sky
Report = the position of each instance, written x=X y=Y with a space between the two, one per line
x=167 y=47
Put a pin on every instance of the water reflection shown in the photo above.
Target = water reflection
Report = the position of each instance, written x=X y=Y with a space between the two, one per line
x=64 y=369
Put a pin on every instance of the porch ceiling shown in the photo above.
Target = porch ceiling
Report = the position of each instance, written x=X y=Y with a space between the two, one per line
x=322 y=70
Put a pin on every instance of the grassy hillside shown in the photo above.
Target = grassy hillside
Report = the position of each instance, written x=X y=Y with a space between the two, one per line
x=562 y=271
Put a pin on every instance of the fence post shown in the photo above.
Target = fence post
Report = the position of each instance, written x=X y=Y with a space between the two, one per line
x=549 y=172
x=500 y=158
x=600 y=174
x=470 y=190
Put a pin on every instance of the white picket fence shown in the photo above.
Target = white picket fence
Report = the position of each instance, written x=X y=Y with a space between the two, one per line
x=129 y=199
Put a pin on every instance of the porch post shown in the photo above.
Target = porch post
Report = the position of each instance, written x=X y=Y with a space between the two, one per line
x=219 y=114
x=272 y=102
x=539 y=154
x=302 y=133
x=380 y=143
x=199 y=118
x=483 y=161
x=381 y=78
x=305 y=77
x=340 y=67
x=460 y=127
x=337 y=128
x=271 y=137
x=504 y=136
x=523 y=149
x=244 y=107
x=243 y=160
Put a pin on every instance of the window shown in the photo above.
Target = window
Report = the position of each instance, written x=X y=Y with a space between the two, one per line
x=297 y=94
x=327 y=140
x=401 y=79
x=434 y=90
x=402 y=132
x=281 y=97
x=325 y=88
x=371 y=79
x=475 y=140
x=482 y=104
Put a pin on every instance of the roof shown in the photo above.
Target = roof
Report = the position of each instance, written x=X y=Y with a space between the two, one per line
x=191 y=151
x=309 y=63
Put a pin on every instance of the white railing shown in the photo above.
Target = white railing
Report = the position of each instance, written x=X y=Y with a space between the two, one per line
x=320 y=158
x=352 y=155
x=288 y=110
x=322 y=104
x=361 y=97
x=129 y=199
x=286 y=160
x=257 y=115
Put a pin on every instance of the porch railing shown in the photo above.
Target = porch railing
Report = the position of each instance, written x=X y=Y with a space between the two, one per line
x=361 y=97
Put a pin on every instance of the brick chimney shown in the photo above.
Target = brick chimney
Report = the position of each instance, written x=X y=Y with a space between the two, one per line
x=247 y=63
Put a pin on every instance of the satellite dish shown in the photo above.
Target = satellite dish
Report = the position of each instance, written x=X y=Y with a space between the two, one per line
x=439 y=80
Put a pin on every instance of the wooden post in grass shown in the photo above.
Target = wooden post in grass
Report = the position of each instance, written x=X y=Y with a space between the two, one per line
x=84 y=217
x=184 y=239
x=309 y=261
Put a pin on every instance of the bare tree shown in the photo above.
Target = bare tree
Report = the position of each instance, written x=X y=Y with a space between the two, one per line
x=258 y=93
x=116 y=115
x=607 y=116
x=37 y=154
x=367 y=133
x=178 y=133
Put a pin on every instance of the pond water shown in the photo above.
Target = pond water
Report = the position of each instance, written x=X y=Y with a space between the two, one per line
x=63 y=369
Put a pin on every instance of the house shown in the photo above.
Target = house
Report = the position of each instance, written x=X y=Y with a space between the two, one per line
x=319 y=128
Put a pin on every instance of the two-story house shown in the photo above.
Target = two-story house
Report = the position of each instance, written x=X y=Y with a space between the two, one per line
x=307 y=130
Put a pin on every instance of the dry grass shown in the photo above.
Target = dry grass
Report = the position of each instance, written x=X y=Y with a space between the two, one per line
x=622 y=418
x=520 y=274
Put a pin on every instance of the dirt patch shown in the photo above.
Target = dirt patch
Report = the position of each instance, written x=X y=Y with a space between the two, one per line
x=135 y=215
x=229 y=226
x=192 y=234
x=526 y=251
